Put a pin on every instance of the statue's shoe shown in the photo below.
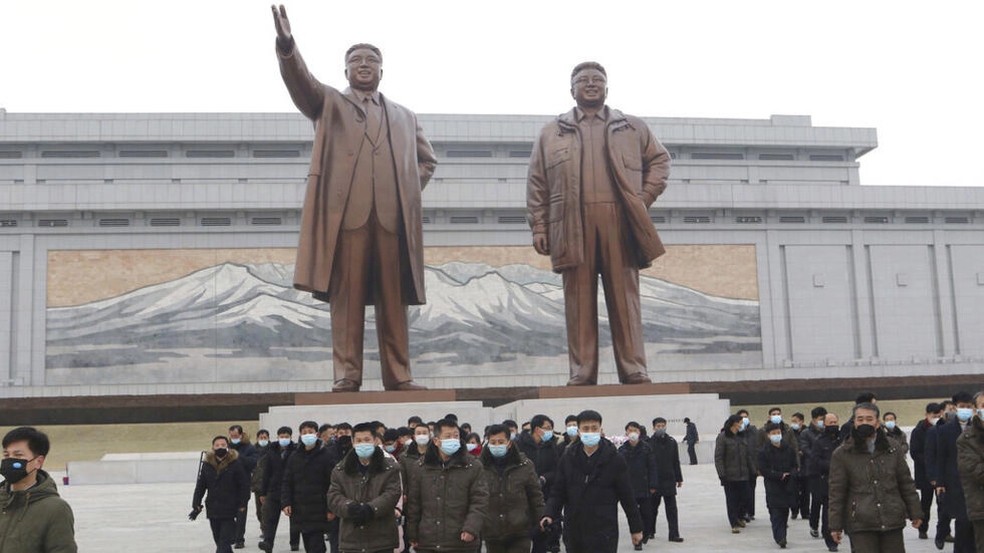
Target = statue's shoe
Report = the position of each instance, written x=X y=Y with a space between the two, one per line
x=409 y=385
x=345 y=386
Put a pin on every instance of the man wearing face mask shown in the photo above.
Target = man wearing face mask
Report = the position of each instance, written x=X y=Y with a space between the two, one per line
x=570 y=430
x=778 y=464
x=447 y=498
x=917 y=450
x=970 y=462
x=223 y=477
x=802 y=508
x=639 y=458
x=807 y=439
x=935 y=477
x=818 y=465
x=307 y=477
x=871 y=488
x=271 y=486
x=669 y=477
x=753 y=441
x=515 y=498
x=35 y=518
x=409 y=462
x=892 y=430
x=248 y=456
x=949 y=483
x=541 y=447
x=256 y=479
x=365 y=489
x=592 y=480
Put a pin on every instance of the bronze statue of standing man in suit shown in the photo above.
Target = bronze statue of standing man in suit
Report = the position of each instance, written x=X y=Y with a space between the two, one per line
x=361 y=239
x=593 y=174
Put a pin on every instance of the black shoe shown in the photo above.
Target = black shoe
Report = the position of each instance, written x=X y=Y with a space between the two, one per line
x=239 y=545
x=923 y=535
x=782 y=544
x=793 y=516
x=948 y=538
x=265 y=546
x=676 y=539
x=940 y=542
x=638 y=547
x=814 y=532
x=295 y=547
x=832 y=548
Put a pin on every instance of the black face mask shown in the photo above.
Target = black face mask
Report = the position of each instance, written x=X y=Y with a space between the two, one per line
x=221 y=452
x=834 y=430
x=14 y=470
x=864 y=431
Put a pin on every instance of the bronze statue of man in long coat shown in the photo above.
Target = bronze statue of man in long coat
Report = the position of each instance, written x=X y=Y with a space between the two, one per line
x=593 y=174
x=361 y=240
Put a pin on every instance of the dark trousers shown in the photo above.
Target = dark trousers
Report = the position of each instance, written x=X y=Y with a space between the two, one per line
x=546 y=541
x=878 y=542
x=241 y=517
x=516 y=545
x=331 y=536
x=779 y=516
x=926 y=495
x=748 y=507
x=802 y=506
x=963 y=536
x=692 y=452
x=672 y=516
x=645 y=504
x=816 y=500
x=943 y=517
x=314 y=542
x=223 y=533
x=734 y=497
x=979 y=535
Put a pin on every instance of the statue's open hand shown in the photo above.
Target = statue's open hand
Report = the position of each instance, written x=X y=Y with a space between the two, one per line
x=280 y=20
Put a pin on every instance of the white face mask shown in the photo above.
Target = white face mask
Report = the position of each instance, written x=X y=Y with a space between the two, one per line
x=422 y=439
x=633 y=436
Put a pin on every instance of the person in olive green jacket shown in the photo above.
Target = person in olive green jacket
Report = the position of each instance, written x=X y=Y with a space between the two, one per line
x=970 y=462
x=515 y=498
x=35 y=519
x=365 y=488
x=871 y=488
x=447 y=498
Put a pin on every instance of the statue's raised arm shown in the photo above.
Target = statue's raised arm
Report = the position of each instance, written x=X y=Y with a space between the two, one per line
x=285 y=40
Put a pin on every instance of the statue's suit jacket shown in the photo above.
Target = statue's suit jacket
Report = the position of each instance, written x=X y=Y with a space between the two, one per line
x=339 y=130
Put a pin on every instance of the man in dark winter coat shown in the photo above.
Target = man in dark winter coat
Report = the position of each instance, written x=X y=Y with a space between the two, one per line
x=307 y=478
x=248 y=456
x=226 y=482
x=365 y=489
x=35 y=519
x=778 y=464
x=933 y=474
x=542 y=448
x=948 y=483
x=750 y=434
x=271 y=485
x=642 y=473
x=871 y=489
x=818 y=467
x=515 y=498
x=970 y=461
x=256 y=479
x=591 y=481
x=691 y=438
x=917 y=450
x=734 y=468
x=447 y=497
x=808 y=438
x=666 y=454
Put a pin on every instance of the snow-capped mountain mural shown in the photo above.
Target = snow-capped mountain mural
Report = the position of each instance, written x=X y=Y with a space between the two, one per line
x=476 y=314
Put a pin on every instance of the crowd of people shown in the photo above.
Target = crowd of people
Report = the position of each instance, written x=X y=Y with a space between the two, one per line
x=439 y=486
x=854 y=478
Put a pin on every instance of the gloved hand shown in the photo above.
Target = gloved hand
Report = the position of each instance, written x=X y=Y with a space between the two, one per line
x=195 y=511
x=360 y=513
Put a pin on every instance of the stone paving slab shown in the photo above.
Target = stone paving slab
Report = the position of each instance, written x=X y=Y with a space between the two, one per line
x=152 y=518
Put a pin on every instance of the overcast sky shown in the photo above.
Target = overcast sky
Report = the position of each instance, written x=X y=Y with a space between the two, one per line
x=912 y=70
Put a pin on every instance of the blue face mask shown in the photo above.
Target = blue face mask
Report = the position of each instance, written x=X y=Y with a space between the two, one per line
x=890 y=425
x=590 y=439
x=309 y=439
x=365 y=451
x=795 y=426
x=235 y=441
x=776 y=419
x=389 y=448
x=284 y=442
x=819 y=424
x=263 y=443
x=744 y=423
x=964 y=414
x=450 y=446
x=498 y=450
x=776 y=438
x=572 y=431
x=547 y=435
x=980 y=414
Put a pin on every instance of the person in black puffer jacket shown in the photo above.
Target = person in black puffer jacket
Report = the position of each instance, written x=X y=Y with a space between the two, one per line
x=225 y=481
x=638 y=456
x=544 y=449
x=779 y=466
x=307 y=478
x=271 y=485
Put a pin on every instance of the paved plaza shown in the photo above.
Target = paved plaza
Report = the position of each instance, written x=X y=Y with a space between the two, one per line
x=152 y=518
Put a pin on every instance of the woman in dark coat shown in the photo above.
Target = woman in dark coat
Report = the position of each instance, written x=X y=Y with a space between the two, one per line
x=223 y=482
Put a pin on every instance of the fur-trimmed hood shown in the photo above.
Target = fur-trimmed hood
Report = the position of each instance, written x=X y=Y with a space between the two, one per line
x=221 y=464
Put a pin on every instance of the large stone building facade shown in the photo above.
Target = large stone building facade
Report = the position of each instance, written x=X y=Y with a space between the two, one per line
x=151 y=254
